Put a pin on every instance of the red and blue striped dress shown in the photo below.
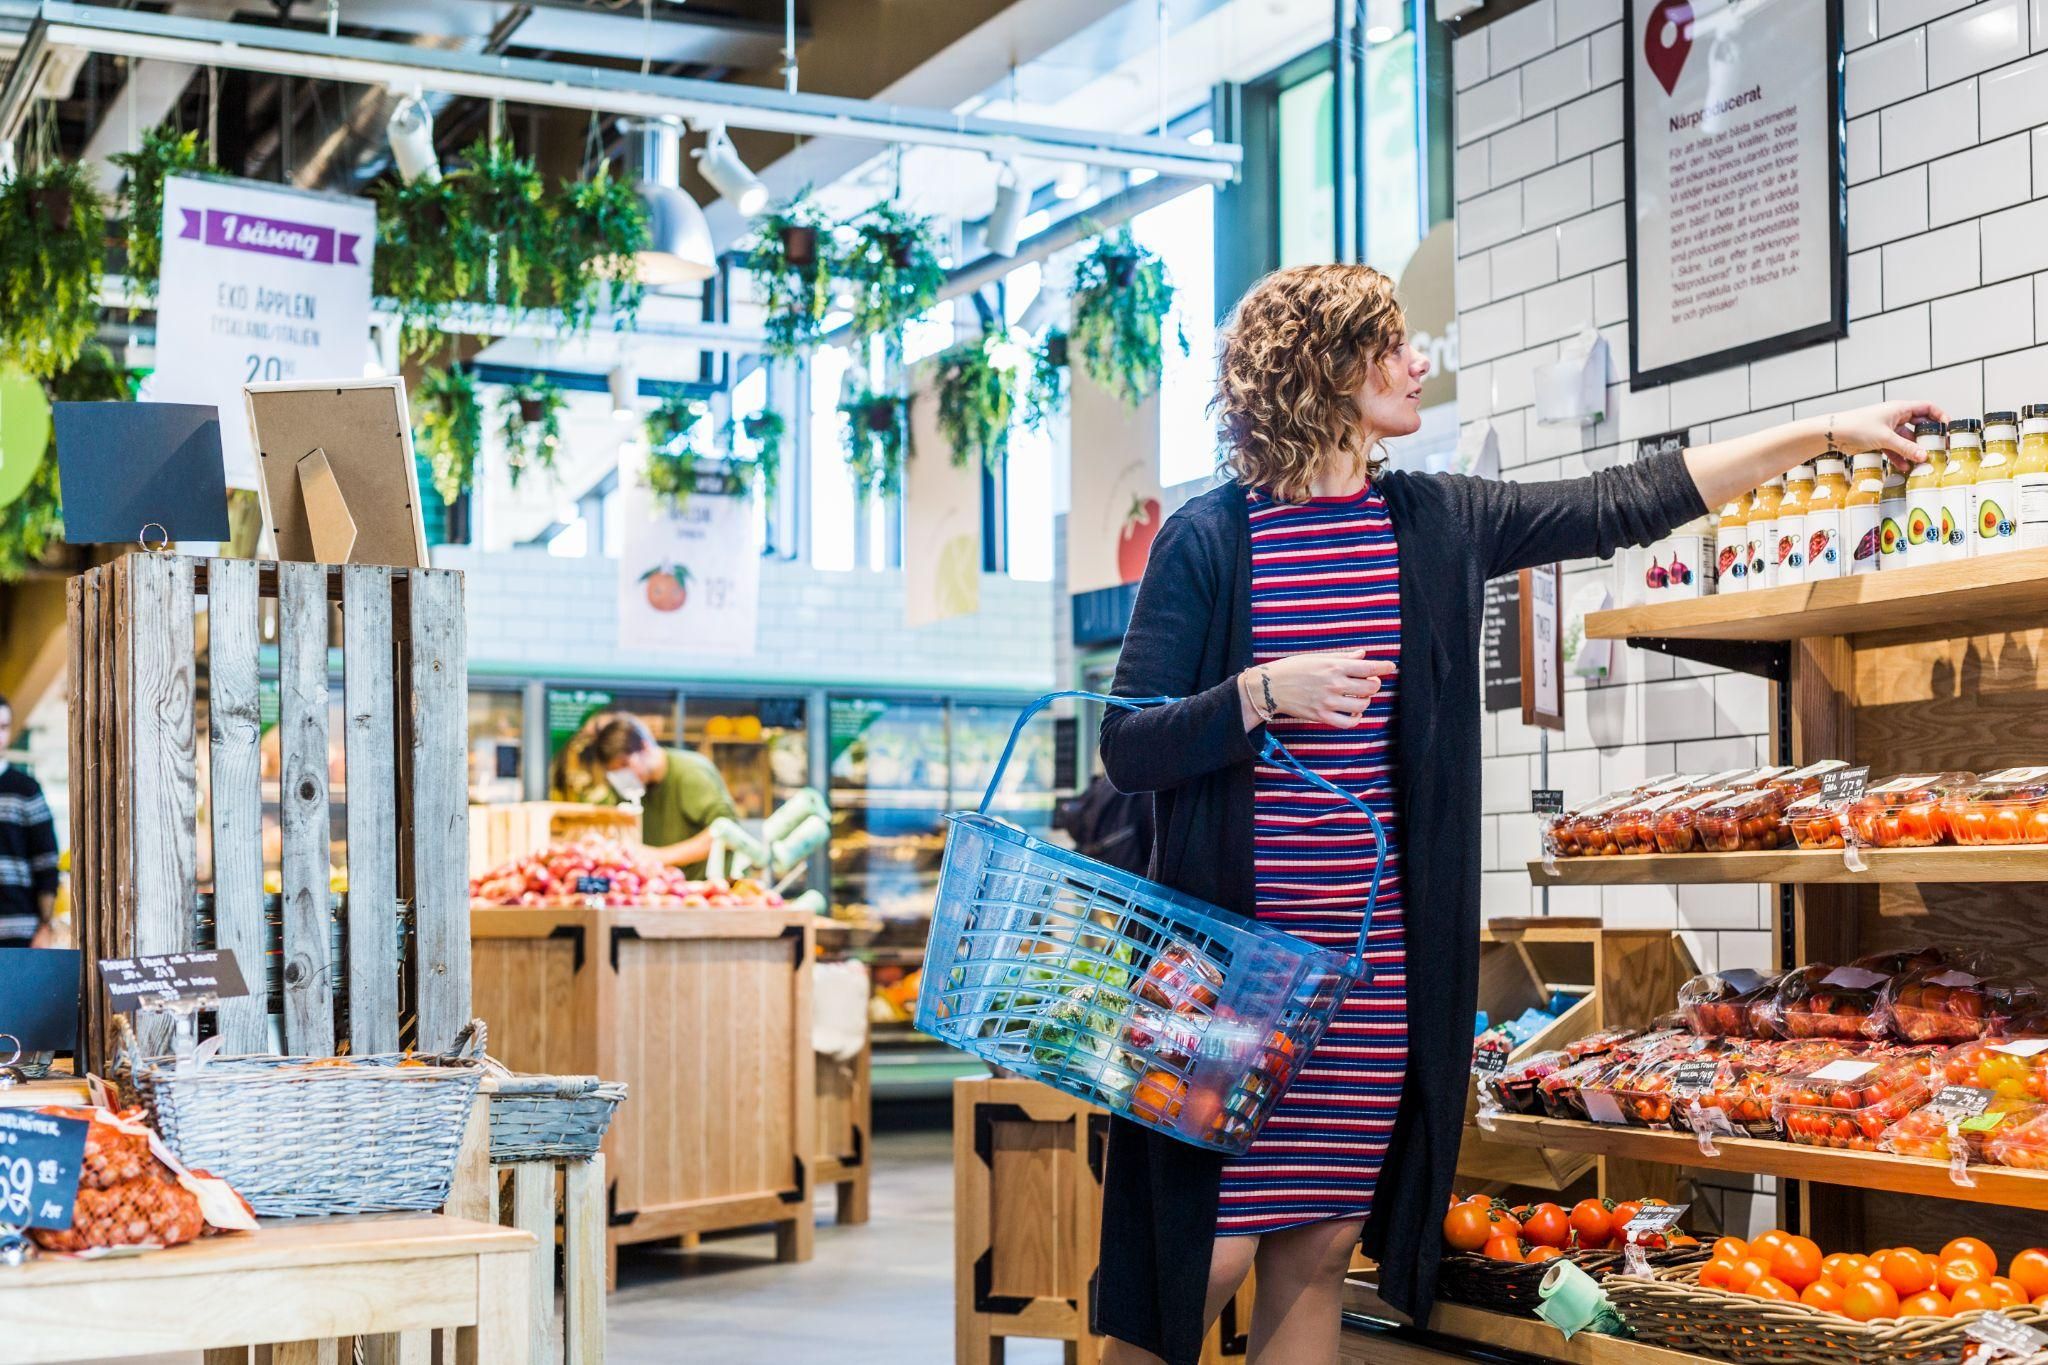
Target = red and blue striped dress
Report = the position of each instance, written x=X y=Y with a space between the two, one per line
x=1324 y=578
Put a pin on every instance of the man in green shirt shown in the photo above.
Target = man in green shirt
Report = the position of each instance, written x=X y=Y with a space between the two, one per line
x=680 y=793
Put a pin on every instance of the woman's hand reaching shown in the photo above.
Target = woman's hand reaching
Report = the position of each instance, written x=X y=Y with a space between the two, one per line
x=1330 y=689
x=1881 y=426
x=1728 y=469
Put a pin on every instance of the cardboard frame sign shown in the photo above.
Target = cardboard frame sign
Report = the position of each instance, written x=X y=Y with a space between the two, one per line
x=1542 y=612
x=335 y=471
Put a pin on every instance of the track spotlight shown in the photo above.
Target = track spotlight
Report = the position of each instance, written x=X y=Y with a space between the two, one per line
x=719 y=163
x=1006 y=219
x=679 y=249
x=411 y=131
x=624 y=383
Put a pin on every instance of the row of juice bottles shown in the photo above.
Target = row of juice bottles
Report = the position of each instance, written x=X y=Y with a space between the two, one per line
x=1983 y=490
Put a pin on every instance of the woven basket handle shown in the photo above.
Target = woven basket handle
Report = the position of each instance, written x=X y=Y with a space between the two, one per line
x=470 y=1043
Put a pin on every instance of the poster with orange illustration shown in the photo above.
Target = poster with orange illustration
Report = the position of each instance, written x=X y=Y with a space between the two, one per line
x=941 y=520
x=689 y=575
x=1116 y=509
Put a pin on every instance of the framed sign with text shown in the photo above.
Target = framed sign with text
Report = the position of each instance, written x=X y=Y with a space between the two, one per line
x=1737 y=199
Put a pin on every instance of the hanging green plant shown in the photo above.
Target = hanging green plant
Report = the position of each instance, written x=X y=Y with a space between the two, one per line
x=599 y=226
x=1121 y=301
x=1045 y=387
x=877 y=435
x=893 y=266
x=673 y=456
x=514 y=239
x=977 y=393
x=53 y=233
x=448 y=428
x=425 y=259
x=789 y=259
x=766 y=430
x=33 y=524
x=164 y=151
x=530 y=421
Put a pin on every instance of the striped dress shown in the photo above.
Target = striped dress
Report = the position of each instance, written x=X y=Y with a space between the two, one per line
x=1323 y=579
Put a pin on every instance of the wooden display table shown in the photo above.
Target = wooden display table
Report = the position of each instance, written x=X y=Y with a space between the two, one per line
x=706 y=1016
x=295 y=1286
x=845 y=1115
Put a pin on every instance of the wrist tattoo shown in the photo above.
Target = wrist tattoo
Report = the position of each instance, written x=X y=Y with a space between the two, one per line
x=1266 y=688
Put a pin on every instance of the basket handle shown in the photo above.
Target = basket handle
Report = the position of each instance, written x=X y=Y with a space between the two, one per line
x=1273 y=752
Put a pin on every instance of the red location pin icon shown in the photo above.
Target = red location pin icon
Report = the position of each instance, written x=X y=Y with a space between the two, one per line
x=1668 y=41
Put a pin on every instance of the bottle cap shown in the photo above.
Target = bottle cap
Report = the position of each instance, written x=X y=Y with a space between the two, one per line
x=1802 y=472
x=2035 y=410
x=1962 y=424
x=1932 y=435
x=1868 y=459
x=2001 y=418
x=1831 y=464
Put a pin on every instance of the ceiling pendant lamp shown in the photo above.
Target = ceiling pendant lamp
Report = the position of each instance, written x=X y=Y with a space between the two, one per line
x=679 y=248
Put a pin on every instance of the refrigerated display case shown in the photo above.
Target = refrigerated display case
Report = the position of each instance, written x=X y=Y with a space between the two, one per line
x=760 y=744
x=497 y=723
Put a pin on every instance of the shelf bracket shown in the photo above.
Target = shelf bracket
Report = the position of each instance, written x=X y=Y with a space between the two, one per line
x=1770 y=659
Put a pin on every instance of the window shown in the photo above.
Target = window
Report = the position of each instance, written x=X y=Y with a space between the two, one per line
x=1183 y=232
x=1307 y=163
x=1392 y=145
x=1029 y=474
x=832 y=503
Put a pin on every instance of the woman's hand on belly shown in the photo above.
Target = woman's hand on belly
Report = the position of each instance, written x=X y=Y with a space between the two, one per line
x=1332 y=689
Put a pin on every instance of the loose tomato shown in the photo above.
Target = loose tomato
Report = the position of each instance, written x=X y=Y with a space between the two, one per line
x=1771 y=1287
x=1954 y=1275
x=1840 y=1267
x=1908 y=1271
x=1929 y=1304
x=1465 y=1228
x=1797 y=1262
x=1592 y=1222
x=1866 y=1300
x=1548 y=1225
x=2007 y=1290
x=1623 y=1212
x=1504 y=1248
x=1538 y=1255
x=1767 y=1244
x=1970 y=1248
x=1718 y=1273
x=1969 y=1298
x=1734 y=1248
x=1747 y=1272
x=2030 y=1270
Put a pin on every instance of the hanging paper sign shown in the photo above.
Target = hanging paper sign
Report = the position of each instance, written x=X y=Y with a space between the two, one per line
x=40 y=1159
x=689 y=576
x=1116 y=509
x=259 y=284
x=942 y=522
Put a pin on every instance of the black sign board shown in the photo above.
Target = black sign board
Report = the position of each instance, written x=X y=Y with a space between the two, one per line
x=593 y=886
x=1500 y=644
x=1656 y=1218
x=1694 y=1076
x=1066 y=753
x=1546 y=801
x=1664 y=444
x=40 y=1158
x=782 y=713
x=1490 y=1057
x=135 y=981
x=127 y=466
x=39 y=990
x=1843 y=784
x=1960 y=1101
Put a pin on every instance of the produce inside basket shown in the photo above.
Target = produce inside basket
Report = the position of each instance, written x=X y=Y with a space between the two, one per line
x=2007 y=807
x=1905 y=812
x=1848 y=1103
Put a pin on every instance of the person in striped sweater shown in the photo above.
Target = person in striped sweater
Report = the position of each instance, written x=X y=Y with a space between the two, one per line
x=28 y=852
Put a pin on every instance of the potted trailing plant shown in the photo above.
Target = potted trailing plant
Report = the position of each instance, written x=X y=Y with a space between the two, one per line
x=1119 y=329
x=977 y=393
x=530 y=421
x=163 y=152
x=793 y=275
x=1045 y=387
x=893 y=267
x=877 y=434
x=449 y=428
x=672 y=454
x=513 y=241
x=52 y=240
x=425 y=260
x=598 y=228
x=33 y=524
x=766 y=430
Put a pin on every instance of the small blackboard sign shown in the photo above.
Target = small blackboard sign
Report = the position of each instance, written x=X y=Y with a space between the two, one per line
x=1500 y=644
x=1695 y=1076
x=593 y=886
x=1066 y=753
x=1664 y=443
x=1655 y=1219
x=135 y=981
x=127 y=466
x=40 y=1159
x=1843 y=784
x=39 y=989
x=782 y=713
x=1960 y=1101
x=1490 y=1057
x=1546 y=801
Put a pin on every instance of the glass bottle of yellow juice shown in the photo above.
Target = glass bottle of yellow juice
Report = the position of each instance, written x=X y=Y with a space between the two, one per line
x=1799 y=480
x=1763 y=534
x=1731 y=547
x=1965 y=449
x=1891 y=519
x=1993 y=527
x=2030 y=478
x=1861 y=513
x=1826 y=508
x=1923 y=496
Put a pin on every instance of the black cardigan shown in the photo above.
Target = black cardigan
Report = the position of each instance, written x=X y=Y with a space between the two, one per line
x=1190 y=636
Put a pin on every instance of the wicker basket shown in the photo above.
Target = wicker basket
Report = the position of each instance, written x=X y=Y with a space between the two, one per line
x=300 y=1136
x=1511 y=1286
x=1672 y=1310
x=540 y=1118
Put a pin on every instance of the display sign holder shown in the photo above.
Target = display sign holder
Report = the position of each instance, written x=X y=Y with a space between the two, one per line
x=147 y=472
x=1542 y=646
x=336 y=473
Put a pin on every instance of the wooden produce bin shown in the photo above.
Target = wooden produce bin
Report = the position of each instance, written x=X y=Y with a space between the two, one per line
x=1624 y=977
x=845 y=1119
x=1027 y=1221
x=706 y=1016
x=498 y=834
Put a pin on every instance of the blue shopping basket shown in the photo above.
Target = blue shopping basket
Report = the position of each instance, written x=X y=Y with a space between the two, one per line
x=1130 y=995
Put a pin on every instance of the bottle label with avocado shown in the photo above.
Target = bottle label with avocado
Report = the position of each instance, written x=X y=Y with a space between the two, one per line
x=1994 y=521
x=1923 y=525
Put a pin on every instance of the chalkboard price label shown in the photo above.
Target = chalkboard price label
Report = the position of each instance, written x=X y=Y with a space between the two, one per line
x=1490 y=1057
x=1656 y=1219
x=1843 y=784
x=1960 y=1101
x=1694 y=1077
x=1665 y=443
x=593 y=886
x=1546 y=801
x=41 y=1156
x=135 y=981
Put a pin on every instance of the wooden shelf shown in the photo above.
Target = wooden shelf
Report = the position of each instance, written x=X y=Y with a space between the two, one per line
x=1790 y=1160
x=1950 y=597
x=1532 y=1337
x=2025 y=863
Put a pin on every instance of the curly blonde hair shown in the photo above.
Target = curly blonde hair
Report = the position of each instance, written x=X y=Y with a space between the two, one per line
x=1297 y=349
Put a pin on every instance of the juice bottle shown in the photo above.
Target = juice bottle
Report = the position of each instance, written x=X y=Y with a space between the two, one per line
x=1891 y=520
x=1763 y=530
x=1731 y=547
x=1799 y=482
x=1825 y=508
x=2030 y=478
x=1965 y=448
x=1863 y=511
x=1993 y=524
x=1923 y=496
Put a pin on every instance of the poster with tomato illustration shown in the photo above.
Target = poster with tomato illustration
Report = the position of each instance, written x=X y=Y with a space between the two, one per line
x=1117 y=509
x=689 y=577
x=941 y=521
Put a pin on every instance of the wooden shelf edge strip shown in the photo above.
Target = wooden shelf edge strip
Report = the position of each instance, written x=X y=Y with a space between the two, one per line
x=2007 y=863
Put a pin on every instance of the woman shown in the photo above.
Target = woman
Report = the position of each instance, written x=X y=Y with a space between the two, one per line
x=680 y=793
x=1338 y=603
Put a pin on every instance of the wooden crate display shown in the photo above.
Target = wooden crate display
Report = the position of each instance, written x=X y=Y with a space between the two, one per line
x=1027 y=1219
x=1624 y=978
x=706 y=1016
x=141 y=629
x=498 y=834
x=845 y=1118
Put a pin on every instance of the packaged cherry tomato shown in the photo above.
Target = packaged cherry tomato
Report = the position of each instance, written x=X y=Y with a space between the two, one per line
x=1905 y=812
x=1816 y=823
x=1750 y=1069
x=1745 y=822
x=1822 y=1001
x=1849 y=1102
x=1973 y=1116
x=2011 y=1068
x=1716 y=1004
x=1648 y=1090
x=1593 y=1044
x=1804 y=782
x=1516 y=1088
x=1559 y=1091
x=2021 y=1141
x=1947 y=1003
x=2008 y=807
x=1676 y=828
x=1574 y=833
